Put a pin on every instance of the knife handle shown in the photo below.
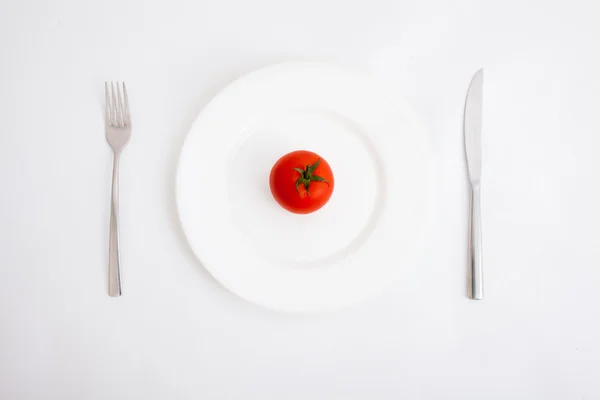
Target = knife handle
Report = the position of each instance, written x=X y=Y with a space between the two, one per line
x=475 y=250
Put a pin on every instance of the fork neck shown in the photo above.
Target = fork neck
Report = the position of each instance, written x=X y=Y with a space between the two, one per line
x=116 y=160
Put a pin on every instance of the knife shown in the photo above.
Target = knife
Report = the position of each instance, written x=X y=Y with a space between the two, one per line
x=472 y=128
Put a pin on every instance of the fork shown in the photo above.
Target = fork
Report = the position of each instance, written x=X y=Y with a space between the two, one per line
x=118 y=132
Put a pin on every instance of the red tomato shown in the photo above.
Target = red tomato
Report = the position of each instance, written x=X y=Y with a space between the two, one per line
x=301 y=182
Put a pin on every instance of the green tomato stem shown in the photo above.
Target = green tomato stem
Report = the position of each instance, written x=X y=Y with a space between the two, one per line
x=307 y=177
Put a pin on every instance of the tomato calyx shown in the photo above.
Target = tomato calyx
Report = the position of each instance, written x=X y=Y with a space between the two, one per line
x=307 y=177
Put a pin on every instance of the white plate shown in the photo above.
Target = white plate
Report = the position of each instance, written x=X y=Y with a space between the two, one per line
x=369 y=234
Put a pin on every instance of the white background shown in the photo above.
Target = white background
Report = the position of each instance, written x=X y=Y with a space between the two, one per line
x=176 y=333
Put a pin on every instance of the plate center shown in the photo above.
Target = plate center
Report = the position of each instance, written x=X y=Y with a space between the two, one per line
x=328 y=234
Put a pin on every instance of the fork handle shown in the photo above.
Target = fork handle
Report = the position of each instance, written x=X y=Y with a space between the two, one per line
x=114 y=267
x=475 y=247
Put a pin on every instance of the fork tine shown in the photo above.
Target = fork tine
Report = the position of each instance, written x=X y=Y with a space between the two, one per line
x=120 y=112
x=107 y=115
x=126 y=115
x=115 y=116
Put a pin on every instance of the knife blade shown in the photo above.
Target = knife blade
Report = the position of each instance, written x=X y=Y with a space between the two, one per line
x=472 y=131
x=473 y=127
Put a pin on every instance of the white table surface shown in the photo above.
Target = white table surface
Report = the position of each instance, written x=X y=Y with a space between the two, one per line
x=176 y=333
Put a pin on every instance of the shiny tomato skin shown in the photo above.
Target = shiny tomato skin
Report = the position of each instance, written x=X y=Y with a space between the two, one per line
x=283 y=180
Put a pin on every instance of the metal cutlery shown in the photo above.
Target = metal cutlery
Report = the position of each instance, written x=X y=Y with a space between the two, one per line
x=472 y=130
x=118 y=133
